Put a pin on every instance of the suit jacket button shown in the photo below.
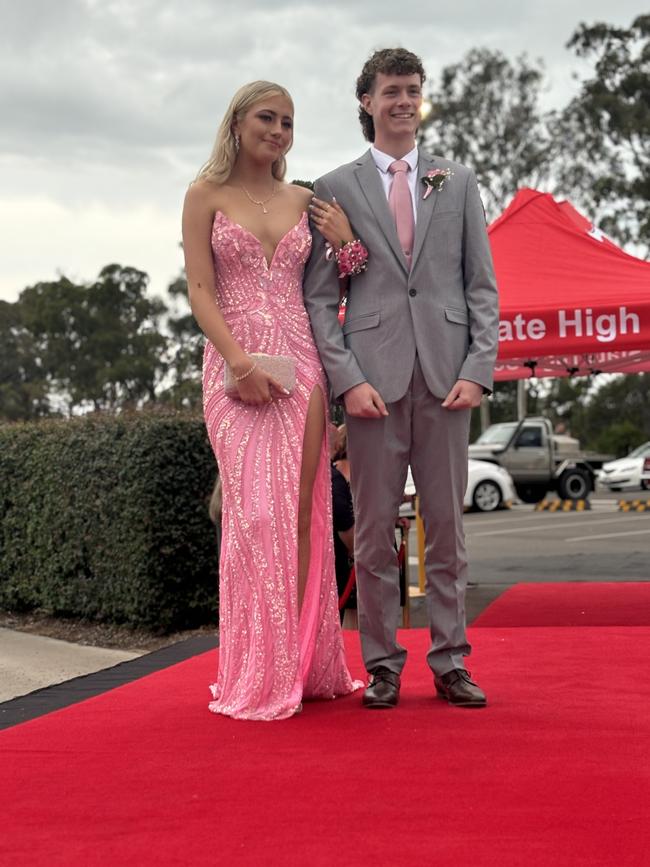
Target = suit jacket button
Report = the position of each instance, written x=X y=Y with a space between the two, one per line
x=413 y=292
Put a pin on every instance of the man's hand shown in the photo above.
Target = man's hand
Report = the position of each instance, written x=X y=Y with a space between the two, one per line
x=362 y=400
x=464 y=395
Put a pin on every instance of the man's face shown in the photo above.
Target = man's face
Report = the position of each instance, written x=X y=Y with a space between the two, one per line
x=394 y=105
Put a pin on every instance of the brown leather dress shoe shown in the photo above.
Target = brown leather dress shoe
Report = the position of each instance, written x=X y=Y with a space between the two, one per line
x=382 y=690
x=459 y=689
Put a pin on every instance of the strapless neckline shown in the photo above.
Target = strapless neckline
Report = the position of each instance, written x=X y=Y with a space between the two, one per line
x=269 y=265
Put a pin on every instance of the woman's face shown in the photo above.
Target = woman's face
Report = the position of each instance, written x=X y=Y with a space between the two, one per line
x=266 y=130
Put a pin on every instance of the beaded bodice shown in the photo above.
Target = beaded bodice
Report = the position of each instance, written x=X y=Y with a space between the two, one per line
x=245 y=282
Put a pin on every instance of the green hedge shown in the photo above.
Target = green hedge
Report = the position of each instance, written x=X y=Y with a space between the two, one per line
x=106 y=518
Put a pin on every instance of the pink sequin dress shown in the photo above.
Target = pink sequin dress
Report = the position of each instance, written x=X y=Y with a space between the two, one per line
x=270 y=658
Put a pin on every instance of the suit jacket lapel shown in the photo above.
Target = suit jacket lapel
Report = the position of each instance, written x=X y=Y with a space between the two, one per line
x=370 y=182
x=425 y=207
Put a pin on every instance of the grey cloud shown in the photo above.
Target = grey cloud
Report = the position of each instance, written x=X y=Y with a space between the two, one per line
x=114 y=78
x=117 y=102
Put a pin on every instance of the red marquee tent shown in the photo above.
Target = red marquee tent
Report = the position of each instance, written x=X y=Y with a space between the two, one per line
x=571 y=301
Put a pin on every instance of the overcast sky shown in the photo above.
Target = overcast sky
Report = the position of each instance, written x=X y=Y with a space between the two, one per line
x=108 y=107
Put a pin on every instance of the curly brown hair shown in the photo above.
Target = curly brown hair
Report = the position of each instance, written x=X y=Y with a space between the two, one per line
x=389 y=61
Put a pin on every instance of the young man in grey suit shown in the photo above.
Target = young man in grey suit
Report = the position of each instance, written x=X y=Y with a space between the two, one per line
x=415 y=354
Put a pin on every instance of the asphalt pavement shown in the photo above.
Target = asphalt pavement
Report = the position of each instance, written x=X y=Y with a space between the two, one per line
x=519 y=544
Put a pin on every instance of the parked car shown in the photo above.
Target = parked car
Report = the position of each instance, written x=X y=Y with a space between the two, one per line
x=489 y=486
x=631 y=473
x=645 y=474
x=539 y=460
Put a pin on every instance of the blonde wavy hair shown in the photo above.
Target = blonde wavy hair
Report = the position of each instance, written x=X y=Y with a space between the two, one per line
x=224 y=153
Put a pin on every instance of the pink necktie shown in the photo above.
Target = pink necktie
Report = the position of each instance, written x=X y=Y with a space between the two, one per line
x=401 y=206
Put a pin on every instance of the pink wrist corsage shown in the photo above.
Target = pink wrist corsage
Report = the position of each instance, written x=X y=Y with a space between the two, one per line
x=351 y=258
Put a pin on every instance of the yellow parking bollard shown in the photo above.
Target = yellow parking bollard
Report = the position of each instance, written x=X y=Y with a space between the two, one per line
x=419 y=525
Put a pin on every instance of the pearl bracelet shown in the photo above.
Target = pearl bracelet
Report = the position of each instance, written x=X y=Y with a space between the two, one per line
x=244 y=375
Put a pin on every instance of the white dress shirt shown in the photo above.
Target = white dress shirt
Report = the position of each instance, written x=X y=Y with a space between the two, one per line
x=383 y=161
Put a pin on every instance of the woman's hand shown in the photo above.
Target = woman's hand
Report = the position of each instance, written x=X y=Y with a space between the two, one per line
x=331 y=221
x=259 y=387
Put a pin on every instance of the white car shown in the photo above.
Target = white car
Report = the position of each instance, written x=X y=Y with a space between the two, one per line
x=488 y=486
x=645 y=474
x=628 y=474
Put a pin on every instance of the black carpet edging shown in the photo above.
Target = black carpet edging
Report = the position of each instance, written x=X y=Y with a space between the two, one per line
x=61 y=695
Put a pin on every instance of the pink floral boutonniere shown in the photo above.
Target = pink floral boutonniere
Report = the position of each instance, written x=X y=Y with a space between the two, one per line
x=435 y=180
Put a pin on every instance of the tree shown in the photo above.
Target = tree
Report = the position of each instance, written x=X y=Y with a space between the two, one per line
x=100 y=343
x=606 y=131
x=620 y=438
x=485 y=113
x=565 y=398
x=185 y=352
x=23 y=387
x=617 y=417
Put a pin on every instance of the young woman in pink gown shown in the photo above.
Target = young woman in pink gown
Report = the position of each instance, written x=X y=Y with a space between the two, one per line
x=246 y=239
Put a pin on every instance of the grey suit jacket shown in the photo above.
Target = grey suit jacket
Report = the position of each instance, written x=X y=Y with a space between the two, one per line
x=445 y=308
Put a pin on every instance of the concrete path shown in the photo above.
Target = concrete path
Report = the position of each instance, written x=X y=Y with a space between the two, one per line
x=29 y=662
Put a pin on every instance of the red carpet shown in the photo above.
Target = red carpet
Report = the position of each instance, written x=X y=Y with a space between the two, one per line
x=556 y=771
x=572 y=604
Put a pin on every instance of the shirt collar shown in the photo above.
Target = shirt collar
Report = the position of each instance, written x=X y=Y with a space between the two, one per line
x=383 y=161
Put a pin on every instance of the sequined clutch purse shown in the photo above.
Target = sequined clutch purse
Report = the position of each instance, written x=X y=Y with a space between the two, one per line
x=281 y=367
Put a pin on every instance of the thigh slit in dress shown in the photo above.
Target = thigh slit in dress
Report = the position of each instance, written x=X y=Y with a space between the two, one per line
x=271 y=656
